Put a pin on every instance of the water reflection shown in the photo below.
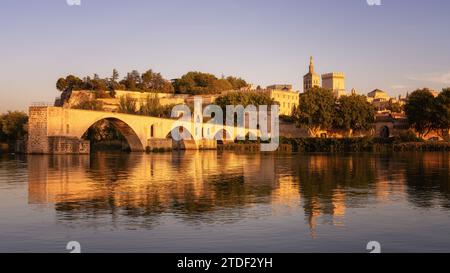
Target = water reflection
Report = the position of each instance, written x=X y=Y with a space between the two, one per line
x=201 y=187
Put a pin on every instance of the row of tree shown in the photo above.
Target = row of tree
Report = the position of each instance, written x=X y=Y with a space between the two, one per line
x=198 y=83
x=319 y=110
x=134 y=81
x=13 y=126
x=151 y=106
x=428 y=113
x=193 y=83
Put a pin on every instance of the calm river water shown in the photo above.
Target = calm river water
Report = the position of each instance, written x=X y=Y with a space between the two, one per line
x=225 y=202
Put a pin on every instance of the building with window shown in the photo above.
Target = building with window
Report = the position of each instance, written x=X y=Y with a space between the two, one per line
x=285 y=96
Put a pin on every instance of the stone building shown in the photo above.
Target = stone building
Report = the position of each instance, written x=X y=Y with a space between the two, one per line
x=285 y=96
x=378 y=95
x=381 y=99
x=311 y=79
x=334 y=81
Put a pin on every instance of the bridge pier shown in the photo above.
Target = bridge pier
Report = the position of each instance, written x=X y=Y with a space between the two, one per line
x=68 y=145
x=167 y=144
x=158 y=144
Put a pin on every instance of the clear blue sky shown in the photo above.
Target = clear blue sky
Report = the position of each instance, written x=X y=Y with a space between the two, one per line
x=399 y=46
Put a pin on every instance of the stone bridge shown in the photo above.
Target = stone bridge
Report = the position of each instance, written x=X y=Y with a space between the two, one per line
x=57 y=130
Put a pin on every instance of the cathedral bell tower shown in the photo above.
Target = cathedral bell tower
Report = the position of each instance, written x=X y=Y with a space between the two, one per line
x=311 y=79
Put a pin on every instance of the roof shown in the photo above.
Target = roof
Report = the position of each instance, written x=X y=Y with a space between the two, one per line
x=375 y=93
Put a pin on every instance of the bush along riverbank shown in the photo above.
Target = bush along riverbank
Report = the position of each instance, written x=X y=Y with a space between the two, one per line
x=364 y=144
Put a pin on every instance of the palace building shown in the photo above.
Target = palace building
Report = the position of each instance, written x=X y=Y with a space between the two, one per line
x=311 y=79
x=285 y=96
x=335 y=82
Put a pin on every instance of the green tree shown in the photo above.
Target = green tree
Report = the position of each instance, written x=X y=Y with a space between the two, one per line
x=132 y=81
x=198 y=83
x=222 y=85
x=70 y=82
x=115 y=75
x=2 y=135
x=151 y=106
x=127 y=105
x=89 y=104
x=98 y=84
x=61 y=84
x=354 y=113
x=237 y=83
x=113 y=84
x=13 y=126
x=316 y=110
x=394 y=107
x=74 y=82
x=244 y=99
x=154 y=82
x=442 y=112
x=421 y=111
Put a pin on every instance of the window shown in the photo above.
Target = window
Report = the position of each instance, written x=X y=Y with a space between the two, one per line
x=152 y=131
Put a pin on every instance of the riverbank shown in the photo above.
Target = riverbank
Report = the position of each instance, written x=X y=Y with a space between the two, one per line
x=334 y=145
x=364 y=144
x=293 y=145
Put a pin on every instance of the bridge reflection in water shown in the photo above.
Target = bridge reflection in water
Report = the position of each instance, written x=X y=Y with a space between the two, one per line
x=226 y=187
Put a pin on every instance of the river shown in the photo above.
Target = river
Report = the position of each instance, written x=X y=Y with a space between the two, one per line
x=209 y=201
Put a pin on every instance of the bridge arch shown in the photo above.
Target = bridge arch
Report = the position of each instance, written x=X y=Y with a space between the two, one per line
x=222 y=135
x=184 y=144
x=181 y=129
x=124 y=128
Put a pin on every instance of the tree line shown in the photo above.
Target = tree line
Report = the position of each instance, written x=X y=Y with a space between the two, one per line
x=13 y=126
x=198 y=83
x=151 y=106
x=319 y=110
x=428 y=113
x=192 y=83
